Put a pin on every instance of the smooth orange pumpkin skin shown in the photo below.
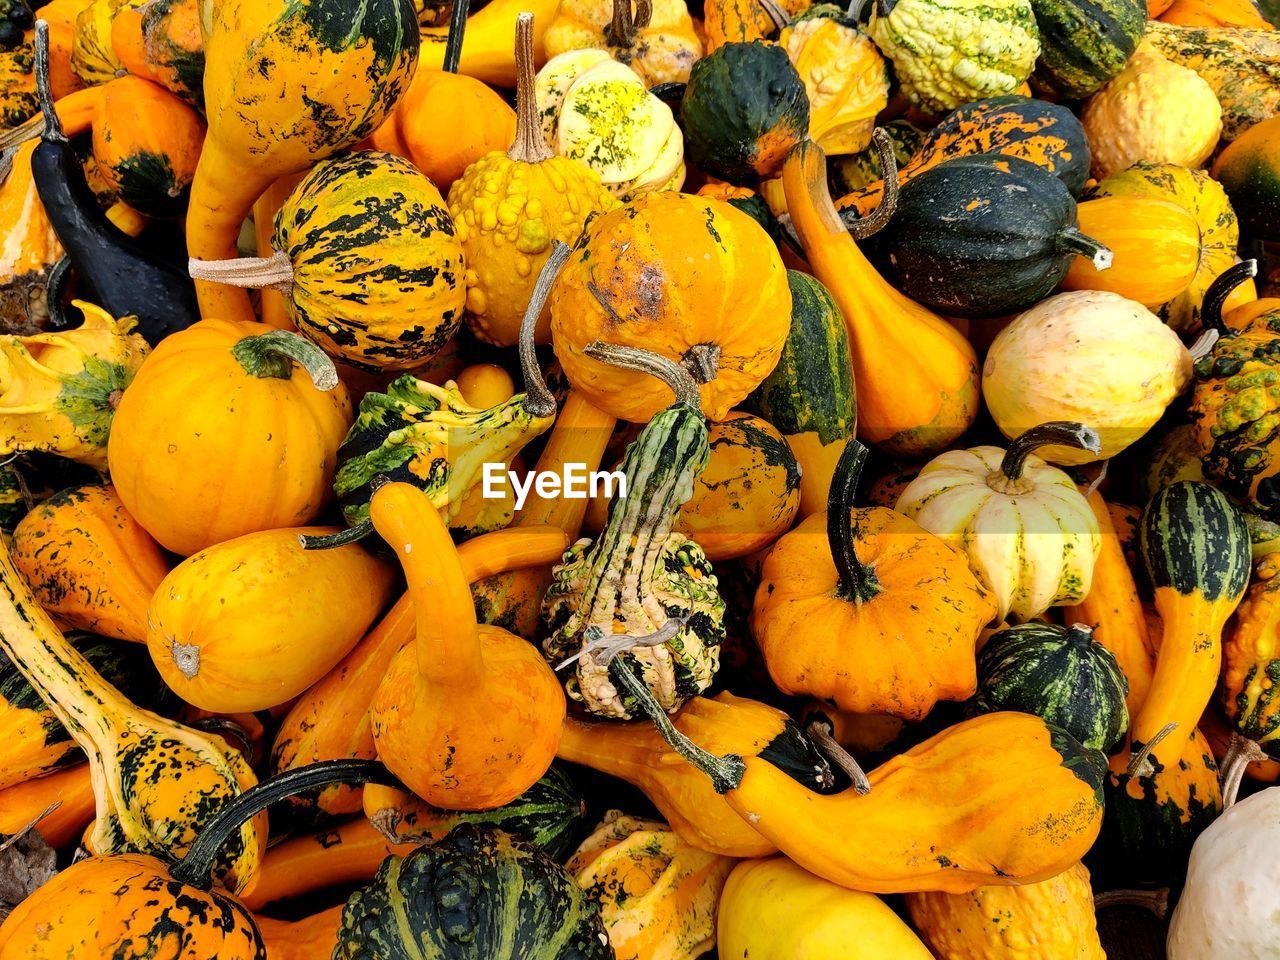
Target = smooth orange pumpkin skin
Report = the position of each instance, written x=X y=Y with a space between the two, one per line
x=89 y=563
x=65 y=797
x=201 y=451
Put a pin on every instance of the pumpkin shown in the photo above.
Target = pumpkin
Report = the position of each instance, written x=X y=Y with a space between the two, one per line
x=1037 y=921
x=1242 y=14
x=950 y=53
x=744 y=108
x=229 y=639
x=656 y=40
x=809 y=397
x=1196 y=549
x=220 y=409
x=162 y=41
x=657 y=894
x=553 y=197
x=486 y=52
x=62 y=801
x=916 y=376
x=690 y=278
x=468 y=716
x=59 y=391
x=599 y=112
x=1127 y=120
x=742 y=21
x=146 y=143
x=988 y=235
x=32 y=250
x=1060 y=674
x=324 y=77
x=92 y=57
x=1201 y=196
x=763 y=898
x=846 y=79
x=1239 y=66
x=1246 y=689
x=1089 y=356
x=1028 y=533
x=833 y=624
x=1154 y=244
x=523 y=896
x=368 y=260
x=1085 y=43
x=641 y=599
x=156 y=783
x=1249 y=171
x=89 y=563
x=331 y=720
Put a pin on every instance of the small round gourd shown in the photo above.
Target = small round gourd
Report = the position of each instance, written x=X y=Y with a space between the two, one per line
x=1085 y=43
x=655 y=39
x=1030 y=535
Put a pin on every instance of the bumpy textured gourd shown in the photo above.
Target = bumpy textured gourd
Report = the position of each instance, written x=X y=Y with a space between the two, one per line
x=1251 y=659
x=891 y=631
x=638 y=582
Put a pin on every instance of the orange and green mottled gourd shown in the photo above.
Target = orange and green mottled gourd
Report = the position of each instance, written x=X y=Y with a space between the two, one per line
x=690 y=278
x=162 y=41
x=868 y=611
x=916 y=376
x=252 y=622
x=468 y=716
x=656 y=40
x=286 y=83
x=89 y=563
x=741 y=21
x=658 y=895
x=1241 y=14
x=157 y=783
x=31 y=250
x=230 y=428
x=508 y=209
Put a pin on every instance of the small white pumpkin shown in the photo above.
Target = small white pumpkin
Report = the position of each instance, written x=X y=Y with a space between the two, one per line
x=1029 y=533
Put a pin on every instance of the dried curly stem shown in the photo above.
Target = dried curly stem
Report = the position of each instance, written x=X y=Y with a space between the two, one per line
x=1139 y=763
x=624 y=24
x=261 y=273
x=1235 y=763
x=674 y=375
x=1156 y=901
x=528 y=146
x=538 y=398
x=603 y=648
x=862 y=227
x=820 y=732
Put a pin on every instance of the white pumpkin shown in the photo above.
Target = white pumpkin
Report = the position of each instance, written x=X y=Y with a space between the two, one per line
x=1029 y=533
x=1091 y=357
x=1230 y=907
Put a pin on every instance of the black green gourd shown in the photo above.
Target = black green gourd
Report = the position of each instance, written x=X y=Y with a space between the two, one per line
x=1085 y=43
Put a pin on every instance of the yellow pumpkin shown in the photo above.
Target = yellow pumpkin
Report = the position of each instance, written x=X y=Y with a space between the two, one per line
x=92 y=56
x=656 y=39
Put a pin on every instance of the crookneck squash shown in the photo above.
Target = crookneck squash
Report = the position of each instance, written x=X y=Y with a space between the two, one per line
x=286 y=84
x=916 y=376
x=89 y=563
x=367 y=258
x=688 y=277
x=228 y=429
x=877 y=616
x=656 y=40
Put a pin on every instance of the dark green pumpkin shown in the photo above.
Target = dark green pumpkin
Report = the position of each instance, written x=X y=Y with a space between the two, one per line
x=984 y=235
x=1085 y=43
x=743 y=109
x=478 y=894
x=811 y=389
x=854 y=171
x=1061 y=675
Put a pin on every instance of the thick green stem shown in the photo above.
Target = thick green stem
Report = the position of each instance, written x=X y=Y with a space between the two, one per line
x=1071 y=240
x=1060 y=432
x=274 y=354
x=457 y=31
x=858 y=581
x=329 y=541
x=538 y=398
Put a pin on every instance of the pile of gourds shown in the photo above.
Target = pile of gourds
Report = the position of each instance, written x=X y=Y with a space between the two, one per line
x=921 y=362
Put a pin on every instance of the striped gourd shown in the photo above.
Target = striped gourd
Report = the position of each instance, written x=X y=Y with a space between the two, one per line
x=1060 y=674
x=1084 y=43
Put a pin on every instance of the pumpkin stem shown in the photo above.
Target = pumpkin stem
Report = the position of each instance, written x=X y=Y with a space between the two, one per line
x=538 y=398
x=528 y=146
x=457 y=31
x=854 y=10
x=622 y=28
x=702 y=360
x=1080 y=634
x=44 y=92
x=1215 y=298
x=260 y=273
x=862 y=227
x=674 y=375
x=328 y=541
x=819 y=732
x=604 y=648
x=1156 y=901
x=274 y=354
x=725 y=772
x=1071 y=240
x=196 y=868
x=858 y=581
x=1061 y=432
x=1139 y=763
x=1235 y=762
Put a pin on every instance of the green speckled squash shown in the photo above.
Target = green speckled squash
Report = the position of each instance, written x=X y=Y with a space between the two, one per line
x=743 y=110
x=476 y=895
x=1084 y=43
x=1061 y=675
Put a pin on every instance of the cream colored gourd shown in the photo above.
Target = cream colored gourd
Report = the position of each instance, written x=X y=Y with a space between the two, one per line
x=1029 y=533
x=1088 y=356
x=599 y=111
x=1155 y=110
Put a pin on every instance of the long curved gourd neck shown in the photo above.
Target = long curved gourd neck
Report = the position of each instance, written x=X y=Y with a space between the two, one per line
x=824 y=235
x=618 y=749
x=448 y=638
x=1009 y=478
x=580 y=436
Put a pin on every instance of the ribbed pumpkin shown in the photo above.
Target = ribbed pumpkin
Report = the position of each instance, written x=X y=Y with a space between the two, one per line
x=690 y=278
x=1060 y=674
x=656 y=40
x=1085 y=43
